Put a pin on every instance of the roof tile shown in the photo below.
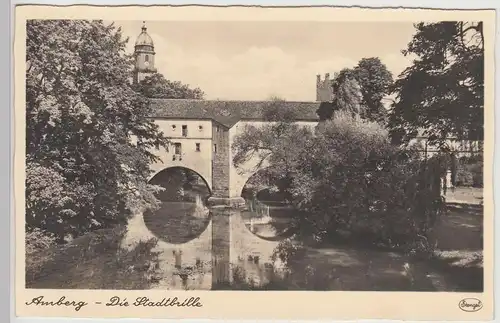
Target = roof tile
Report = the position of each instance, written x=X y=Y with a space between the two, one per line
x=227 y=113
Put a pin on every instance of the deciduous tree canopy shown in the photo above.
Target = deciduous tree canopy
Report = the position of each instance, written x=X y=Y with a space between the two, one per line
x=158 y=87
x=442 y=92
x=375 y=80
x=360 y=90
x=345 y=175
x=88 y=139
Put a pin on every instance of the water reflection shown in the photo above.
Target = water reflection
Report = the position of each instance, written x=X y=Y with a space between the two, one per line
x=183 y=214
x=266 y=214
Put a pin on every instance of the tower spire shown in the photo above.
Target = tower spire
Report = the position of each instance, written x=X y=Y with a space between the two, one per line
x=144 y=55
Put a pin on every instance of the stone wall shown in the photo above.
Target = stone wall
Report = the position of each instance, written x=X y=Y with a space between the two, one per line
x=220 y=161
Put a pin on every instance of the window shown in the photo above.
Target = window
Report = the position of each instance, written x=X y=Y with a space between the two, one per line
x=147 y=58
x=184 y=130
x=197 y=146
x=217 y=128
x=178 y=148
x=215 y=148
x=173 y=126
x=200 y=127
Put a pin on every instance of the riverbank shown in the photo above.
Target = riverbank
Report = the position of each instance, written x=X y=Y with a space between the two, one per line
x=94 y=261
x=456 y=265
x=99 y=260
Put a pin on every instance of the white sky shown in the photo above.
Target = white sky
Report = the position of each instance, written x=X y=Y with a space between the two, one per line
x=254 y=60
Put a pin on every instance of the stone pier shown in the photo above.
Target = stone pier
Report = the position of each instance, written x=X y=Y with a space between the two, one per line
x=223 y=211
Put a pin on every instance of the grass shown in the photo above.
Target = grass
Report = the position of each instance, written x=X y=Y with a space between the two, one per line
x=459 y=238
x=94 y=261
x=465 y=195
x=461 y=271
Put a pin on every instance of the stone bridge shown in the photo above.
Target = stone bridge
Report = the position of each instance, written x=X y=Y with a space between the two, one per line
x=201 y=135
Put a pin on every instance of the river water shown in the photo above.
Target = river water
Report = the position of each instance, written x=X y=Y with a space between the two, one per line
x=183 y=226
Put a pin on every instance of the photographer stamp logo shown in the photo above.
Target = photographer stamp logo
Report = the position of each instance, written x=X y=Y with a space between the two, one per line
x=470 y=305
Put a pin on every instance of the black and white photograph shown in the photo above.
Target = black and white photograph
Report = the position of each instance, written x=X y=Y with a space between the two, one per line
x=240 y=155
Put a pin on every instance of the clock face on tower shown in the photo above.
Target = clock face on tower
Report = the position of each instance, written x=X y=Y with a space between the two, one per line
x=146 y=63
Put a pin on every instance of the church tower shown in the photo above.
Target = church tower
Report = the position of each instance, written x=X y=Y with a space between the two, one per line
x=144 y=52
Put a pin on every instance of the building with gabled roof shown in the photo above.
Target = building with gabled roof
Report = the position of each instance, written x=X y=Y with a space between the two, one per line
x=227 y=112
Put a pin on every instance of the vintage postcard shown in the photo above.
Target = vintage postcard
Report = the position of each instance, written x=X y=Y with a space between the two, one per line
x=254 y=163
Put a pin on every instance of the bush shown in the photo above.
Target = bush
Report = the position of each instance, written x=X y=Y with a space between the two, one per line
x=348 y=177
x=477 y=174
x=94 y=261
x=359 y=183
x=37 y=242
x=469 y=172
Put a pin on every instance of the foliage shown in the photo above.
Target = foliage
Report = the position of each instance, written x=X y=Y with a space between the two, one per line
x=95 y=260
x=347 y=96
x=469 y=172
x=289 y=251
x=37 y=242
x=365 y=186
x=360 y=90
x=443 y=91
x=84 y=171
x=347 y=92
x=157 y=87
x=175 y=182
x=375 y=80
x=276 y=110
x=276 y=143
x=347 y=176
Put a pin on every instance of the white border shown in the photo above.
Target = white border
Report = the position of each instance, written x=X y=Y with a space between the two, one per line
x=7 y=115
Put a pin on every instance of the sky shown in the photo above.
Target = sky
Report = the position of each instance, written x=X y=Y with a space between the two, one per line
x=244 y=60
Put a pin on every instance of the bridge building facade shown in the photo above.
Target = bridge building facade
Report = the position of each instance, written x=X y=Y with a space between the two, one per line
x=202 y=133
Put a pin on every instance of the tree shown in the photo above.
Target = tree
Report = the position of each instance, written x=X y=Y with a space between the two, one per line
x=442 y=93
x=277 y=142
x=347 y=96
x=89 y=140
x=345 y=175
x=156 y=86
x=375 y=80
x=361 y=90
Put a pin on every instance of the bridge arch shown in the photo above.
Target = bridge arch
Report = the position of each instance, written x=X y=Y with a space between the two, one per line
x=252 y=175
x=242 y=174
x=205 y=177
x=183 y=214
x=170 y=168
x=199 y=163
x=266 y=219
